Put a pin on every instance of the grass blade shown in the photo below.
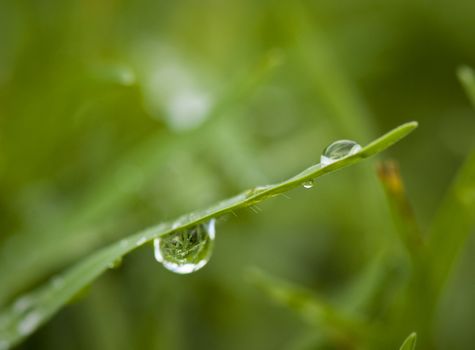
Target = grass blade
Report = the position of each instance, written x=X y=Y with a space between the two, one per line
x=406 y=223
x=312 y=309
x=32 y=310
x=453 y=223
x=409 y=343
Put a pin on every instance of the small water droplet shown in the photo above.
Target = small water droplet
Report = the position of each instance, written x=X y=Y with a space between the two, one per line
x=338 y=150
x=187 y=250
x=308 y=184
x=124 y=243
x=57 y=282
x=22 y=304
x=115 y=264
x=29 y=323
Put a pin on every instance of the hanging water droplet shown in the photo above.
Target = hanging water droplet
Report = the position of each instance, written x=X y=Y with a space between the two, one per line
x=115 y=264
x=308 y=184
x=338 y=150
x=187 y=250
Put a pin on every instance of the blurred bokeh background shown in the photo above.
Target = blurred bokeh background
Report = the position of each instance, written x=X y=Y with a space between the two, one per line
x=116 y=115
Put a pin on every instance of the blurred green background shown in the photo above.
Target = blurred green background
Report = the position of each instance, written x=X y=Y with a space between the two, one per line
x=116 y=115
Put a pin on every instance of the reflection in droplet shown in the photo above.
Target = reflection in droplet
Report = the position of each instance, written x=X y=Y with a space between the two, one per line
x=187 y=250
x=338 y=150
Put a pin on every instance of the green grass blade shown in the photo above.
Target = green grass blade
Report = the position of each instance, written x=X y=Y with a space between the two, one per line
x=456 y=216
x=316 y=56
x=310 y=307
x=409 y=343
x=30 y=311
x=453 y=223
x=368 y=294
x=403 y=214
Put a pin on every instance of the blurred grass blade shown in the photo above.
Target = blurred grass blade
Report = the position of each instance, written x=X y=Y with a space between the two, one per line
x=466 y=76
x=453 y=223
x=406 y=223
x=312 y=309
x=409 y=343
x=316 y=57
x=456 y=216
x=371 y=289
x=16 y=323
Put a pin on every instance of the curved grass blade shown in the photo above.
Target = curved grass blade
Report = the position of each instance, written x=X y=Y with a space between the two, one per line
x=409 y=343
x=27 y=313
x=401 y=208
x=456 y=216
x=312 y=309
x=453 y=223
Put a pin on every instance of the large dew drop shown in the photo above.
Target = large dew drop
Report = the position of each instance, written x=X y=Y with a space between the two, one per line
x=187 y=250
x=338 y=150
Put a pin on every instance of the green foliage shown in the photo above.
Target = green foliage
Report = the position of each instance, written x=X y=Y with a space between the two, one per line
x=117 y=115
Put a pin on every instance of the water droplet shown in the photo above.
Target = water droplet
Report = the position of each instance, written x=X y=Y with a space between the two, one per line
x=187 y=250
x=308 y=184
x=115 y=264
x=22 y=304
x=29 y=323
x=124 y=243
x=338 y=150
x=57 y=282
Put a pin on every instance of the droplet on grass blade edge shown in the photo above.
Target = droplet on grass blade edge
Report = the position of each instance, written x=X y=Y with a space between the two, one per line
x=338 y=150
x=187 y=250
